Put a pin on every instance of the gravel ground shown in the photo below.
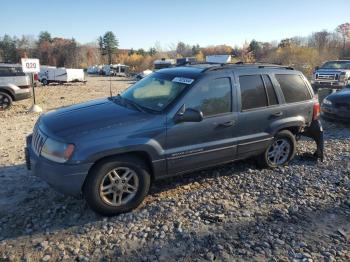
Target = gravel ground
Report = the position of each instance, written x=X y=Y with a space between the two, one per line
x=234 y=212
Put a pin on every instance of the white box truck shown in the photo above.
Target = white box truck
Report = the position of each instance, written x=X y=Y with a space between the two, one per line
x=51 y=74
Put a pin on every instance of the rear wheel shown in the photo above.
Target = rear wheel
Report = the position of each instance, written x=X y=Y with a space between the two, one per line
x=5 y=101
x=280 y=151
x=117 y=186
x=44 y=82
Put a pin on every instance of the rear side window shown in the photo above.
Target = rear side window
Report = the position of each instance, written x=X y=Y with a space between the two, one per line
x=271 y=94
x=212 y=98
x=252 y=92
x=5 y=71
x=294 y=88
x=11 y=71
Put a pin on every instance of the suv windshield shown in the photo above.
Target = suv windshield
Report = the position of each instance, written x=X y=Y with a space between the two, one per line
x=336 y=65
x=156 y=91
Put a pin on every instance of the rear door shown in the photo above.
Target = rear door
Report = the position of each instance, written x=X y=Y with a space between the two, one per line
x=259 y=107
x=197 y=145
x=297 y=95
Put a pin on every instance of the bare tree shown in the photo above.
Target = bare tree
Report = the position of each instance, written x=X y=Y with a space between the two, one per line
x=320 y=40
x=344 y=31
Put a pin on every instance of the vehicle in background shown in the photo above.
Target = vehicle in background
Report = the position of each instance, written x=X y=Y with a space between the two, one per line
x=337 y=106
x=174 y=121
x=115 y=70
x=95 y=70
x=14 y=85
x=332 y=74
x=163 y=63
x=143 y=74
x=221 y=59
x=185 y=61
x=51 y=74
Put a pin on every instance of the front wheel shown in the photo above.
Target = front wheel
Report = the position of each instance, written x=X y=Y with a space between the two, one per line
x=5 y=101
x=280 y=151
x=117 y=186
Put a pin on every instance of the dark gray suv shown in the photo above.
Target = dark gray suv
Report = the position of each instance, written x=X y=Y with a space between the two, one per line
x=174 y=121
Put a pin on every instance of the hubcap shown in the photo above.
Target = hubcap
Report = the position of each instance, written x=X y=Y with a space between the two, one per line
x=4 y=102
x=278 y=152
x=119 y=186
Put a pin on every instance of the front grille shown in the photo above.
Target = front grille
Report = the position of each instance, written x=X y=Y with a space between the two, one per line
x=38 y=140
x=342 y=105
x=326 y=77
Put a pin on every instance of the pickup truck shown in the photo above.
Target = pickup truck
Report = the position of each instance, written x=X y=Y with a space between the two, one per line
x=332 y=74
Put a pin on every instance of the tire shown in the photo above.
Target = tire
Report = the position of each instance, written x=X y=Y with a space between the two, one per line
x=44 y=82
x=285 y=144
x=103 y=188
x=5 y=101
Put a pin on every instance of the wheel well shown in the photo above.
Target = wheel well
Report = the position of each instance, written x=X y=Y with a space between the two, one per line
x=293 y=129
x=140 y=155
x=7 y=92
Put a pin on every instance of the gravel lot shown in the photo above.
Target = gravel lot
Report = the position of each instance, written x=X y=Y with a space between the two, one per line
x=232 y=212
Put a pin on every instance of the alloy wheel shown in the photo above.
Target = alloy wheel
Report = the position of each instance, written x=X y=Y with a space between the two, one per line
x=278 y=152
x=119 y=186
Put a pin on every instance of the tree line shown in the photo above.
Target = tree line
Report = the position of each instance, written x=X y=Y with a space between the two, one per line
x=304 y=53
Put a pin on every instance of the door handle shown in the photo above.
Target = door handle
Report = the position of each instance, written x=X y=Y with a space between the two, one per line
x=277 y=114
x=227 y=124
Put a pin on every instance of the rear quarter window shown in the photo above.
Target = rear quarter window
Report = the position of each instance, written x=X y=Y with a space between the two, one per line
x=293 y=87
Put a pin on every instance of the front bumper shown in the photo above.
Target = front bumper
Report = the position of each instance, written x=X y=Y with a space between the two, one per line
x=327 y=84
x=65 y=178
x=22 y=95
x=330 y=112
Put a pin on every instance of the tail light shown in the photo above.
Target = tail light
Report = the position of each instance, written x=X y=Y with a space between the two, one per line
x=36 y=77
x=316 y=110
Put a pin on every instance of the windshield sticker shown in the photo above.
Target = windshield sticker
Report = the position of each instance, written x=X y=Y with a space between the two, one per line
x=183 y=80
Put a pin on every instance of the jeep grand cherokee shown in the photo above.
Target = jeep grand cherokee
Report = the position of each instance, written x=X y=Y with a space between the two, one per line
x=174 y=121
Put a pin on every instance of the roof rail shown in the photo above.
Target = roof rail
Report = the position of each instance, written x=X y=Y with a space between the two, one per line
x=242 y=65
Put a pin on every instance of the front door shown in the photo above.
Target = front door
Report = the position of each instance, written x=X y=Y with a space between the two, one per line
x=196 y=145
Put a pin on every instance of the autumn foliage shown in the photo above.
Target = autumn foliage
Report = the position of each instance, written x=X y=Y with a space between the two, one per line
x=303 y=53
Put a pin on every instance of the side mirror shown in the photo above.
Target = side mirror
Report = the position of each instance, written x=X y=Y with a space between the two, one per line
x=188 y=115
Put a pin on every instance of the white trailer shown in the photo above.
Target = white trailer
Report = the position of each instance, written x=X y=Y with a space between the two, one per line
x=50 y=74
x=220 y=59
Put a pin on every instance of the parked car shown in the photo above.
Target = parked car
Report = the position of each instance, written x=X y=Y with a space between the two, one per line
x=337 y=106
x=14 y=85
x=172 y=122
x=332 y=74
x=51 y=74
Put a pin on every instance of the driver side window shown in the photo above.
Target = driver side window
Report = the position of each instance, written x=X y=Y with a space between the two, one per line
x=213 y=97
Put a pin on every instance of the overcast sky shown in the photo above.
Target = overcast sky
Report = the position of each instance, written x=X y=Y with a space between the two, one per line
x=140 y=24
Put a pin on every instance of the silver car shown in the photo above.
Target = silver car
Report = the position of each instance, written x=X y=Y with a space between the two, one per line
x=14 y=85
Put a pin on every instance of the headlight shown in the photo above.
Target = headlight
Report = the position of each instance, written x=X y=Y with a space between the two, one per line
x=342 y=76
x=327 y=102
x=57 y=151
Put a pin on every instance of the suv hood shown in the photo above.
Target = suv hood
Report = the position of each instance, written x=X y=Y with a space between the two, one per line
x=84 y=118
x=343 y=96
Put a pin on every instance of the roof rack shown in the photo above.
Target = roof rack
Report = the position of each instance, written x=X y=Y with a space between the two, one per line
x=242 y=65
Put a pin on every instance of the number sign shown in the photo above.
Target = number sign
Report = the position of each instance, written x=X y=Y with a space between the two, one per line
x=30 y=65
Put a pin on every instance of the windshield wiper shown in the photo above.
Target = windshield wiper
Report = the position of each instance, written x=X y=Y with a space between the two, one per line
x=132 y=103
